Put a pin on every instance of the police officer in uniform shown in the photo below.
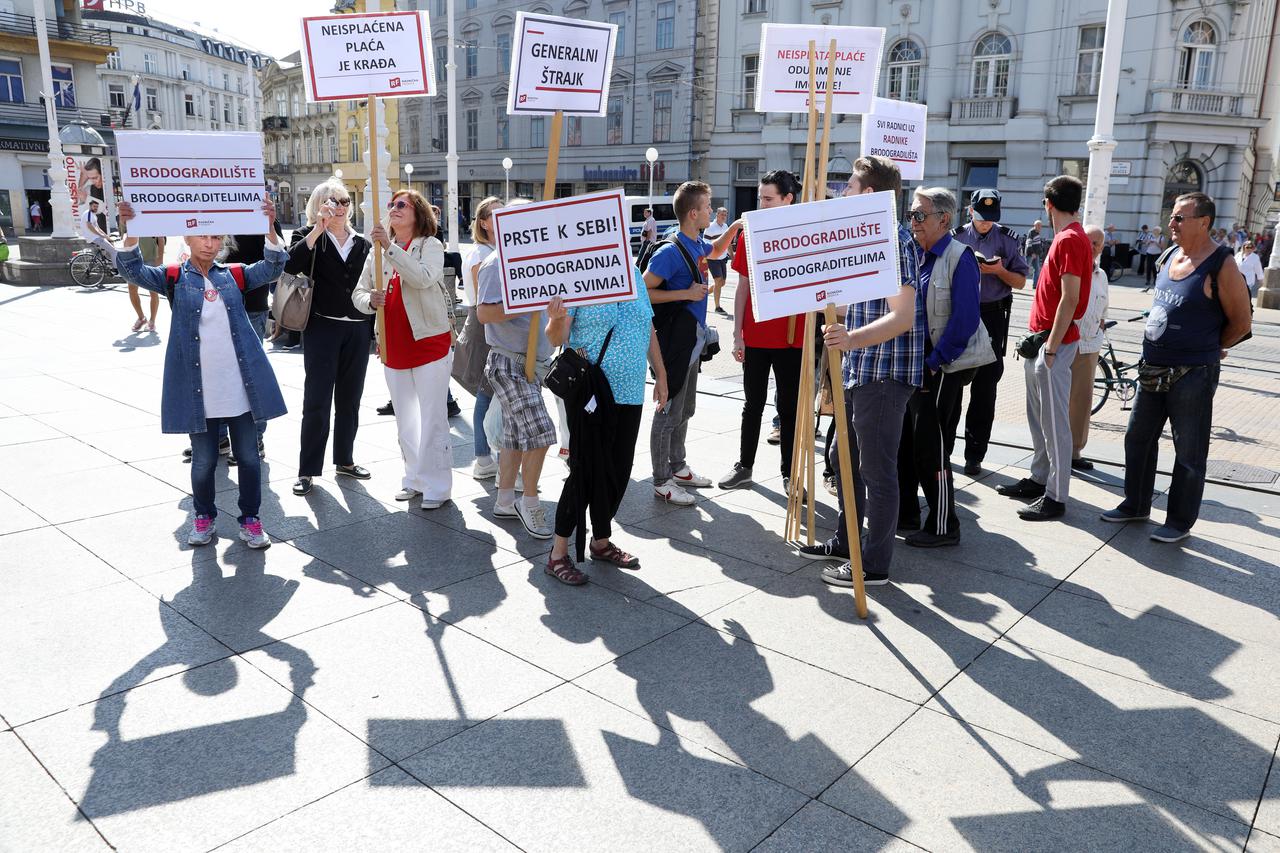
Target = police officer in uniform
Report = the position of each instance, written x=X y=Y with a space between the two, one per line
x=1004 y=269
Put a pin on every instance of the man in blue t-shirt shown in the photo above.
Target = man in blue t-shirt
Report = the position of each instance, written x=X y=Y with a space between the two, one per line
x=677 y=274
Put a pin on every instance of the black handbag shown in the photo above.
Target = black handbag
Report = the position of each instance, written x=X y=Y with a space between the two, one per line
x=570 y=369
x=1029 y=347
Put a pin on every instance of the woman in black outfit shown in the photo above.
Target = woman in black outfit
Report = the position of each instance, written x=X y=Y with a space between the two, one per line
x=335 y=346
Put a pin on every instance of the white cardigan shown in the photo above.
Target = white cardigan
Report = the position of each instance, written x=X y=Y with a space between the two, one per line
x=421 y=268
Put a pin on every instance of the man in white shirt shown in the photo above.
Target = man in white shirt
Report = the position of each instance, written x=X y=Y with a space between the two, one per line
x=37 y=216
x=94 y=234
x=649 y=233
x=717 y=264
x=1250 y=267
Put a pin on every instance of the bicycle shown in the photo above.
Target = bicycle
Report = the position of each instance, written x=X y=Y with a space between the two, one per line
x=1112 y=377
x=91 y=267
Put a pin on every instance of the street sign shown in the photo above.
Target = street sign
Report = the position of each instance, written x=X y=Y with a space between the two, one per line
x=385 y=54
x=896 y=130
x=783 y=83
x=560 y=64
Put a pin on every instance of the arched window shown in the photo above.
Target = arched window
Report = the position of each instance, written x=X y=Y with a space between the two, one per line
x=906 y=66
x=1185 y=176
x=991 y=66
x=1196 y=55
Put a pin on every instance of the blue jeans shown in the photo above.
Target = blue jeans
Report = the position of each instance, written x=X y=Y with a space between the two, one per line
x=258 y=321
x=1188 y=408
x=204 y=460
x=480 y=440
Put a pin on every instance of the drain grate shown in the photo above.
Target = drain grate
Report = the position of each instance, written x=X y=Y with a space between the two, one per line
x=1238 y=472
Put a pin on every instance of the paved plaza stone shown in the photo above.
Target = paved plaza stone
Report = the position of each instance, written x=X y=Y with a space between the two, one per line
x=384 y=678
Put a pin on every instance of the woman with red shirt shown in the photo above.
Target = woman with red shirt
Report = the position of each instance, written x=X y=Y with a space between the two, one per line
x=418 y=347
x=762 y=347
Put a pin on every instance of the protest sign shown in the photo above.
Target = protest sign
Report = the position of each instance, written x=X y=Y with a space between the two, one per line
x=806 y=256
x=386 y=54
x=192 y=183
x=574 y=248
x=895 y=129
x=560 y=64
x=783 y=83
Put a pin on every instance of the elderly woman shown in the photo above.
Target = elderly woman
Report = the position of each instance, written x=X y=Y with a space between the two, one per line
x=417 y=355
x=215 y=370
x=598 y=484
x=336 y=343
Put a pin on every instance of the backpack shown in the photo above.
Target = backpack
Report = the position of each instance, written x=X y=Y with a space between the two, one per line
x=174 y=271
x=648 y=251
x=1219 y=257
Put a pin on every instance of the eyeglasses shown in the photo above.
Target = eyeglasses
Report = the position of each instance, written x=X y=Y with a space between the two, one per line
x=341 y=202
x=399 y=204
x=1179 y=218
x=921 y=216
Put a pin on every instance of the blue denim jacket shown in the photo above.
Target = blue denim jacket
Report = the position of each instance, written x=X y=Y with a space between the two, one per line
x=181 y=406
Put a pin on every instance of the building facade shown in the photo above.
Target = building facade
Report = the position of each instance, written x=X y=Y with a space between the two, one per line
x=75 y=51
x=300 y=140
x=1011 y=94
x=652 y=103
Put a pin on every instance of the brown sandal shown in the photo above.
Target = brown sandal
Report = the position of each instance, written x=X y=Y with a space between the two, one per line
x=613 y=554
x=565 y=571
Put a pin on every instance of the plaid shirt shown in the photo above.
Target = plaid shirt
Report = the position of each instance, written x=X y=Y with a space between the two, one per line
x=900 y=358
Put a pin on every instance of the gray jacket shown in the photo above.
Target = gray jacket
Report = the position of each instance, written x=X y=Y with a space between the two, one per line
x=938 y=310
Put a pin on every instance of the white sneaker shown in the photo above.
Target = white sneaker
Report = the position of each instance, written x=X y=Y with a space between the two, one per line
x=508 y=511
x=686 y=479
x=251 y=532
x=534 y=520
x=673 y=494
x=432 y=504
x=484 y=470
x=407 y=494
x=201 y=531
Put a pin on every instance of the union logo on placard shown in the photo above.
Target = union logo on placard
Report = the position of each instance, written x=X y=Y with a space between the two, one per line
x=524 y=98
x=820 y=296
x=191 y=223
x=394 y=82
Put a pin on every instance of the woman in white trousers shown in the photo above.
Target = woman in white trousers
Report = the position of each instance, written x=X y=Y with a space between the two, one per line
x=418 y=354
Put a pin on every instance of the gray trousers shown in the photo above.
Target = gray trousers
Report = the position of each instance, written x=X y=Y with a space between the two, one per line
x=1049 y=417
x=670 y=426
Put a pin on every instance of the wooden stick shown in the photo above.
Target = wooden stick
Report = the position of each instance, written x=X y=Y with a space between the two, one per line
x=376 y=214
x=548 y=194
x=806 y=191
x=846 y=474
x=826 y=125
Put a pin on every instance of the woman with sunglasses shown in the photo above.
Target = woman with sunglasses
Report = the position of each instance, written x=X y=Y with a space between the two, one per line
x=335 y=345
x=418 y=314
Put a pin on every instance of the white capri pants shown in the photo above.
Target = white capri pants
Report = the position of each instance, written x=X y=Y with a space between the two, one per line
x=422 y=425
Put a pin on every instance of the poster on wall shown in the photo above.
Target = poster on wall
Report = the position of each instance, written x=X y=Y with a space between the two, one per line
x=88 y=179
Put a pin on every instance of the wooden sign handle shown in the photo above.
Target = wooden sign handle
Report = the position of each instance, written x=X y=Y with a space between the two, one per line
x=374 y=213
x=846 y=472
x=548 y=194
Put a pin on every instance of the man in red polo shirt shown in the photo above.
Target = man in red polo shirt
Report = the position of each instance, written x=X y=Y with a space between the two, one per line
x=1062 y=294
x=762 y=347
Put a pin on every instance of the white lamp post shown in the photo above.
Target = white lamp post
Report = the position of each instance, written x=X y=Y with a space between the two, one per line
x=408 y=174
x=652 y=156
x=59 y=196
x=506 y=168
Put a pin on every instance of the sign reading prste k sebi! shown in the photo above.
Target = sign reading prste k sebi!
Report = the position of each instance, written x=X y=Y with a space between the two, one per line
x=806 y=256
x=386 y=54
x=560 y=64
x=575 y=248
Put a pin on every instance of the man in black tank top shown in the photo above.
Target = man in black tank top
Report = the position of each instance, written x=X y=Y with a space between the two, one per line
x=1201 y=308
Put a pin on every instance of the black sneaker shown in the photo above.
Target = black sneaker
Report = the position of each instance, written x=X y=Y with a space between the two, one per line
x=821 y=551
x=1043 y=509
x=842 y=575
x=929 y=539
x=739 y=477
x=454 y=408
x=972 y=469
x=1079 y=463
x=388 y=409
x=1024 y=488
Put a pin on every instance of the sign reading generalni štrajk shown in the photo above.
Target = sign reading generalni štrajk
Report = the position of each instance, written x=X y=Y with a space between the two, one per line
x=895 y=129
x=806 y=256
x=575 y=248
x=783 y=83
x=560 y=64
x=192 y=183
x=387 y=54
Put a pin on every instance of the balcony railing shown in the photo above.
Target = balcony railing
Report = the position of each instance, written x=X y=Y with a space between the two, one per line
x=982 y=110
x=275 y=123
x=11 y=113
x=1171 y=98
x=25 y=25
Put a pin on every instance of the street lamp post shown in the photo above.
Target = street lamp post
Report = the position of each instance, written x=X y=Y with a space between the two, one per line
x=652 y=156
x=1103 y=142
x=506 y=168
x=59 y=196
x=408 y=174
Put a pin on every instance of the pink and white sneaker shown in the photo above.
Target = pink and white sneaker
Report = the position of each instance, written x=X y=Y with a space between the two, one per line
x=201 y=531
x=251 y=533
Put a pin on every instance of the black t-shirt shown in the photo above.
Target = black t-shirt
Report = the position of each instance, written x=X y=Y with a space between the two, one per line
x=249 y=250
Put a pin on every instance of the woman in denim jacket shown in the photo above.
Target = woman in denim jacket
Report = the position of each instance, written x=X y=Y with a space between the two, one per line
x=215 y=370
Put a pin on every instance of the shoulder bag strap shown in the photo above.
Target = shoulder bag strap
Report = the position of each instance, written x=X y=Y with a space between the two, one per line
x=688 y=259
x=604 y=347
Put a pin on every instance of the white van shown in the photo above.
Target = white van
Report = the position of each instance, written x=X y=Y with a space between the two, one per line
x=663 y=212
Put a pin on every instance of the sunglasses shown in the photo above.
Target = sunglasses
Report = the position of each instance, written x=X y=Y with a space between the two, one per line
x=399 y=204
x=342 y=202
x=1179 y=218
x=921 y=216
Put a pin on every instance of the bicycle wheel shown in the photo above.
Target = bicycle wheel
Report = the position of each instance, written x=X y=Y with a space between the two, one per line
x=86 y=271
x=1101 y=386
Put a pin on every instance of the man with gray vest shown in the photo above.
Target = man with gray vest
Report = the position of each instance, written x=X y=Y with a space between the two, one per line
x=956 y=345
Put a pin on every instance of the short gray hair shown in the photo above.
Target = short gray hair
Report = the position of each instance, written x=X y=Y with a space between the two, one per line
x=942 y=199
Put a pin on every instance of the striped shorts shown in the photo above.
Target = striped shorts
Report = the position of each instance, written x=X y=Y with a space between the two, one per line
x=526 y=424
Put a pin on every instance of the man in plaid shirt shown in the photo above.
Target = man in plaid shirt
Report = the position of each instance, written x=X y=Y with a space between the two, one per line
x=883 y=342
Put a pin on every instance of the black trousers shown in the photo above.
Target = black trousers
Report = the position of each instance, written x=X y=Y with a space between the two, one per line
x=335 y=356
x=756 y=364
x=627 y=431
x=982 y=390
x=924 y=454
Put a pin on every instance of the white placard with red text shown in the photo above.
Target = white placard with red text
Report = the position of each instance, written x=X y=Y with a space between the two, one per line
x=192 y=183
x=783 y=83
x=806 y=256
x=560 y=64
x=387 y=54
x=895 y=129
x=575 y=248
